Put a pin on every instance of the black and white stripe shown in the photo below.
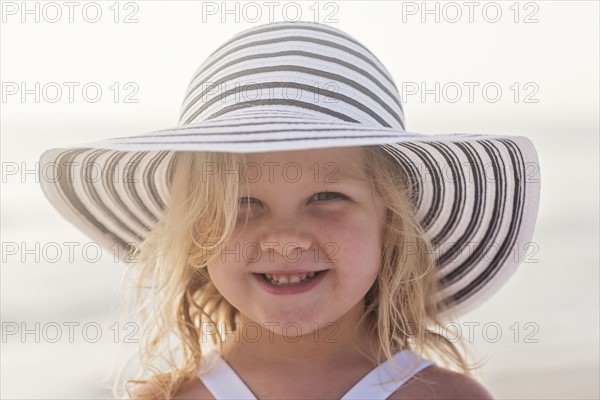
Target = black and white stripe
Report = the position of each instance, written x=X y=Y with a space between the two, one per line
x=321 y=65
x=472 y=195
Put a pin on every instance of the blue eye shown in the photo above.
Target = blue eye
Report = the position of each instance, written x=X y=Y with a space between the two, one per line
x=321 y=196
x=329 y=195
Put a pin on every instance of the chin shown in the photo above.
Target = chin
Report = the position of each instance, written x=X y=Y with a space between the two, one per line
x=288 y=326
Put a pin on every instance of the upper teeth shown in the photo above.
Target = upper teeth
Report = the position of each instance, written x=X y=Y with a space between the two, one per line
x=290 y=278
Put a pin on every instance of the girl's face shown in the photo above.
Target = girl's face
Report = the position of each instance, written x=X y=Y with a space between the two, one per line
x=293 y=232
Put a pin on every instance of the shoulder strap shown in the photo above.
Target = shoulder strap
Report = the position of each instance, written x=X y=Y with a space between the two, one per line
x=222 y=381
x=384 y=380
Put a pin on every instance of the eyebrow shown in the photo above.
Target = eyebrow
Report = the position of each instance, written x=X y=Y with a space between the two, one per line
x=338 y=178
x=343 y=180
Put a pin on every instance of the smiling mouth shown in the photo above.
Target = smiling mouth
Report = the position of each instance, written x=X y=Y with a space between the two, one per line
x=290 y=280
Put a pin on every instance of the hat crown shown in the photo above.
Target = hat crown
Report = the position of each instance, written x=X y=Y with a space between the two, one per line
x=300 y=68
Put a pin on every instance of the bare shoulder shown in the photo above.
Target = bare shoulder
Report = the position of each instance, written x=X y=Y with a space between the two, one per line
x=193 y=389
x=440 y=383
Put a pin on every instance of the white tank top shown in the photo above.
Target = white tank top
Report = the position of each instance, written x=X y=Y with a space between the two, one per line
x=223 y=382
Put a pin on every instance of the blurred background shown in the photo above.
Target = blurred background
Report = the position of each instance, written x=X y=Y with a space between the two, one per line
x=106 y=69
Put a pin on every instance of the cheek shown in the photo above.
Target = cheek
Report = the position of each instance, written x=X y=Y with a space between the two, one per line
x=357 y=265
x=227 y=280
x=354 y=242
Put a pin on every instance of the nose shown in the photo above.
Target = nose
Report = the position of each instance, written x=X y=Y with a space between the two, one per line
x=287 y=239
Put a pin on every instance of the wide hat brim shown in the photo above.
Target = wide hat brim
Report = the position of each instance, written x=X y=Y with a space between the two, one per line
x=476 y=196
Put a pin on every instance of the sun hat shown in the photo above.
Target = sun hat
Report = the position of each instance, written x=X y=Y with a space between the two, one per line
x=305 y=85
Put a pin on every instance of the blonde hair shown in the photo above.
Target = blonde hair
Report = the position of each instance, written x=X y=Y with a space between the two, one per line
x=175 y=296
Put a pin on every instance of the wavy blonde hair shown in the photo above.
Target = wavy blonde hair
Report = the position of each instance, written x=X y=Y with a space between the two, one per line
x=176 y=298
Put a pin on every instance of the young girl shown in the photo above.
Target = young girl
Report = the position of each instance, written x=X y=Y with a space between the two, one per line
x=291 y=238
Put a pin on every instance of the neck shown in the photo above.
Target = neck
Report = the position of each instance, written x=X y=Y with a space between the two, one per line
x=339 y=343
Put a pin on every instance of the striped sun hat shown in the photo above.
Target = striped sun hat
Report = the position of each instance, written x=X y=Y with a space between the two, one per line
x=303 y=85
